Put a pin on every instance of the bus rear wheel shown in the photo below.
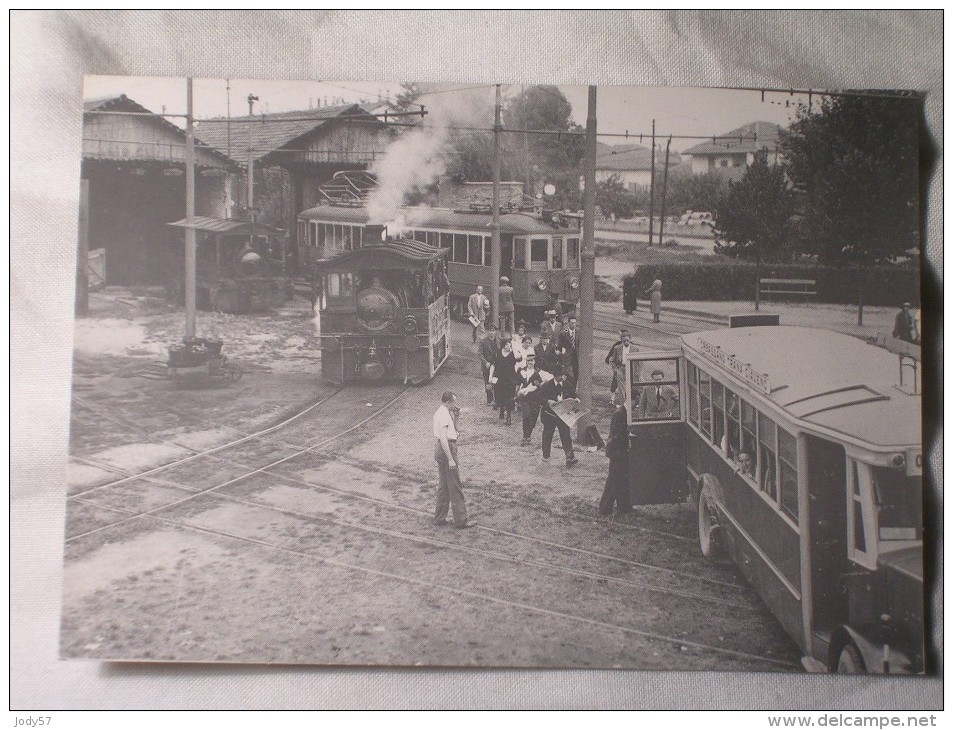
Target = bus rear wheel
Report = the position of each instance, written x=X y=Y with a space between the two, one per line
x=850 y=661
x=709 y=530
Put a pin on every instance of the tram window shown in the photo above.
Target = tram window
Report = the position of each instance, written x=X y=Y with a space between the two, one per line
x=787 y=451
x=460 y=248
x=718 y=415
x=749 y=439
x=538 y=253
x=487 y=251
x=572 y=253
x=557 y=262
x=347 y=285
x=733 y=414
x=519 y=253
x=692 y=394
x=475 y=248
x=899 y=503
x=768 y=456
x=433 y=239
x=446 y=240
x=704 y=397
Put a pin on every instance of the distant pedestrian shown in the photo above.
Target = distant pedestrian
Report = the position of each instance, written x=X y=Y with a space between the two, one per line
x=552 y=391
x=551 y=327
x=616 y=359
x=630 y=296
x=507 y=308
x=528 y=382
x=489 y=351
x=616 y=491
x=569 y=341
x=450 y=490
x=503 y=378
x=546 y=359
x=478 y=307
x=654 y=293
x=905 y=325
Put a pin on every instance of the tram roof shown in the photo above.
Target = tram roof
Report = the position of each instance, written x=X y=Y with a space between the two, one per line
x=395 y=253
x=826 y=378
x=512 y=223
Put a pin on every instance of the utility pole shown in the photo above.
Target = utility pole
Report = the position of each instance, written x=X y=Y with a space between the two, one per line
x=588 y=271
x=652 y=188
x=189 y=214
x=495 y=241
x=251 y=171
x=82 y=253
x=661 y=224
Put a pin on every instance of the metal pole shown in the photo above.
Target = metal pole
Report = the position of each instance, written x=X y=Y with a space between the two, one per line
x=189 y=215
x=661 y=224
x=652 y=188
x=495 y=241
x=251 y=172
x=82 y=253
x=588 y=270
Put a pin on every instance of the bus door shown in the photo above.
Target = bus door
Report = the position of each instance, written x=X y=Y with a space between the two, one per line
x=655 y=402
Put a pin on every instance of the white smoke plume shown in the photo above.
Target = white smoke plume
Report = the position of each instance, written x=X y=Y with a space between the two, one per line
x=418 y=157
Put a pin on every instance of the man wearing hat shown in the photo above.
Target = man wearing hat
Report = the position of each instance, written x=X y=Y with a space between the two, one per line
x=489 y=353
x=905 y=325
x=551 y=327
x=506 y=305
x=478 y=306
x=554 y=390
x=658 y=401
x=616 y=359
x=546 y=358
x=527 y=393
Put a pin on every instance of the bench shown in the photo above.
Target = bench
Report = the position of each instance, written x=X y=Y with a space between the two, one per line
x=789 y=287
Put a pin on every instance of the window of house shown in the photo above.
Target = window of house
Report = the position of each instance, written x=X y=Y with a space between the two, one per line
x=538 y=253
x=572 y=253
x=475 y=248
x=692 y=394
x=557 y=261
x=519 y=253
x=460 y=248
x=768 y=456
x=787 y=453
x=718 y=415
x=704 y=399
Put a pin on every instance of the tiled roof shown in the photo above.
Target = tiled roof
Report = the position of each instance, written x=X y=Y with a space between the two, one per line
x=754 y=136
x=269 y=132
x=632 y=157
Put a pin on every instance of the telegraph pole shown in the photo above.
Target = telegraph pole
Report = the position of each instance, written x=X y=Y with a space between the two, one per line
x=588 y=270
x=189 y=214
x=661 y=224
x=652 y=188
x=251 y=171
x=495 y=241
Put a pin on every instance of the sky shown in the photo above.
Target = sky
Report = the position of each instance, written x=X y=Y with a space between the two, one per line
x=676 y=110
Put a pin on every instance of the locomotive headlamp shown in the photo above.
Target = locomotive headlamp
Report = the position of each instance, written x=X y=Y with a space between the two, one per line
x=541 y=285
x=574 y=283
x=410 y=324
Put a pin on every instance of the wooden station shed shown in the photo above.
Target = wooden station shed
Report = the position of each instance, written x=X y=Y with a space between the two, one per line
x=133 y=186
x=308 y=145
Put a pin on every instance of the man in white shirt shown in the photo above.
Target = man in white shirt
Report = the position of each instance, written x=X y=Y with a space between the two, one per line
x=450 y=491
x=616 y=360
x=478 y=306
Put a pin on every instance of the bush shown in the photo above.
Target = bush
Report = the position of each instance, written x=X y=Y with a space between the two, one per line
x=735 y=281
x=605 y=292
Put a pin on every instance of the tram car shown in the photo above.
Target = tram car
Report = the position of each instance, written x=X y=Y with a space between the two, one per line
x=239 y=267
x=801 y=450
x=539 y=255
x=382 y=308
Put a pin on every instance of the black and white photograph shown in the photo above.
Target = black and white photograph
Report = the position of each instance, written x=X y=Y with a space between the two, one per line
x=409 y=374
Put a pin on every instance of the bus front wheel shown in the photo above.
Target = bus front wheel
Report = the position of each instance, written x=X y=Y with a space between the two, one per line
x=850 y=661
x=709 y=530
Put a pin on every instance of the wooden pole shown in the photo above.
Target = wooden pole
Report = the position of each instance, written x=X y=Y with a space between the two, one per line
x=495 y=246
x=251 y=172
x=189 y=215
x=652 y=188
x=661 y=223
x=587 y=283
x=82 y=252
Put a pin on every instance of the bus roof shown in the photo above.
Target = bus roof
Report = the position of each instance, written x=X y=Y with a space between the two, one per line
x=823 y=378
x=443 y=218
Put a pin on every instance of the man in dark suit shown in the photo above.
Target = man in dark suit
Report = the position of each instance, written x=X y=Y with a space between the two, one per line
x=545 y=356
x=527 y=392
x=554 y=390
x=569 y=342
x=658 y=401
x=616 y=492
x=489 y=352
x=551 y=327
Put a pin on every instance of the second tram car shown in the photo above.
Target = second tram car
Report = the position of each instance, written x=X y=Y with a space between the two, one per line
x=383 y=310
x=802 y=451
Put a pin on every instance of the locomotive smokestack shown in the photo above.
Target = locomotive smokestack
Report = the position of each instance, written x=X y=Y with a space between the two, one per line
x=373 y=234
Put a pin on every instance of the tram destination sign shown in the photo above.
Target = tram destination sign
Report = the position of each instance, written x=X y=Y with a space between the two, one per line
x=742 y=369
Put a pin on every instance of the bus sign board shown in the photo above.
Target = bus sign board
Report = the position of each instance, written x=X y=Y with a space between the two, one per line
x=742 y=369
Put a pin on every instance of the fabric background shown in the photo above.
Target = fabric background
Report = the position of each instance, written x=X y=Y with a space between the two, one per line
x=50 y=53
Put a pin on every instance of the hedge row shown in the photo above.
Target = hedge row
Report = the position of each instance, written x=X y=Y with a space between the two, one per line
x=735 y=281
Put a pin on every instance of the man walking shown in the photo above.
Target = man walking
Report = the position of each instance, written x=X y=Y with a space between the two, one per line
x=551 y=327
x=569 y=342
x=553 y=390
x=507 y=308
x=528 y=394
x=489 y=352
x=478 y=306
x=616 y=359
x=616 y=491
x=450 y=491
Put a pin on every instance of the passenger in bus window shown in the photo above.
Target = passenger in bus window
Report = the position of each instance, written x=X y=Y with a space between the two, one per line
x=745 y=465
x=658 y=401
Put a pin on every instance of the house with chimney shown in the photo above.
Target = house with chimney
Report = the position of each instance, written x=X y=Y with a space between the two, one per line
x=732 y=152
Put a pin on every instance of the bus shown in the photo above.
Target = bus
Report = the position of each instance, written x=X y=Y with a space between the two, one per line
x=801 y=451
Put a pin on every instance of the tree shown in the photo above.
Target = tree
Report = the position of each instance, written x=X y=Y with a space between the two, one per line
x=613 y=198
x=406 y=100
x=854 y=161
x=753 y=221
x=697 y=192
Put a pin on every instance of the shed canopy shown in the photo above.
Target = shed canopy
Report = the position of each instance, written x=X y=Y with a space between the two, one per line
x=227 y=226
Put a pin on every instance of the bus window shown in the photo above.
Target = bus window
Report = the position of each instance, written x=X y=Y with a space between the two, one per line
x=475 y=248
x=749 y=441
x=519 y=253
x=718 y=415
x=557 y=262
x=572 y=253
x=899 y=504
x=487 y=251
x=460 y=248
x=768 y=456
x=692 y=394
x=787 y=453
x=704 y=399
x=655 y=387
x=733 y=415
x=538 y=253
x=446 y=240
